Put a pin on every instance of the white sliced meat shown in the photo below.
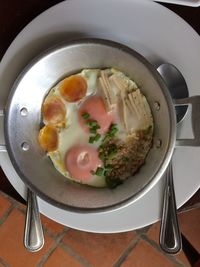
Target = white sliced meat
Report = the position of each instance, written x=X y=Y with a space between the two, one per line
x=104 y=94
x=107 y=90
x=141 y=108
x=133 y=108
x=122 y=101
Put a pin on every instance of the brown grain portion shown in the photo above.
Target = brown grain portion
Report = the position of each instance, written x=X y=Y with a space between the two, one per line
x=130 y=154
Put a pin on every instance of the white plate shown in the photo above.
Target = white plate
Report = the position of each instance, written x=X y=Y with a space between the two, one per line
x=157 y=33
x=194 y=3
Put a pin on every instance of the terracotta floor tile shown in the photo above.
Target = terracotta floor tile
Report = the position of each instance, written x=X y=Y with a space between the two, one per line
x=4 y=205
x=181 y=257
x=52 y=225
x=60 y=258
x=21 y=206
x=154 y=231
x=144 y=255
x=153 y=234
x=98 y=249
x=11 y=245
x=190 y=226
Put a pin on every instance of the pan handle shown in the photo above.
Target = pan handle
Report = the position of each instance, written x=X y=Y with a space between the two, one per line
x=194 y=101
x=2 y=146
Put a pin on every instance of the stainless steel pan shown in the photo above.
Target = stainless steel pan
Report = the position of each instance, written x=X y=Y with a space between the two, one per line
x=22 y=117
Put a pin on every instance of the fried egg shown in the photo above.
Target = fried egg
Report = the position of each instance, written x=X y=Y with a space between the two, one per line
x=78 y=113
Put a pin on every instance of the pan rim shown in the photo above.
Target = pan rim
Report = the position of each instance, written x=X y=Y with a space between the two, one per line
x=171 y=143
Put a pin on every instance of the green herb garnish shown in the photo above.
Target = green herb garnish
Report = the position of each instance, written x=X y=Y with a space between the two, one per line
x=125 y=159
x=91 y=139
x=85 y=115
x=108 y=166
x=93 y=130
x=111 y=132
x=94 y=138
x=99 y=171
x=112 y=149
x=113 y=182
x=97 y=137
x=92 y=123
x=112 y=154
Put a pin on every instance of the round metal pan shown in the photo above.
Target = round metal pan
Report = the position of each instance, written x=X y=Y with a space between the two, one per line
x=22 y=118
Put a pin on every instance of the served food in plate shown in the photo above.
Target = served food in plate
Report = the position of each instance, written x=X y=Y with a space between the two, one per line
x=98 y=127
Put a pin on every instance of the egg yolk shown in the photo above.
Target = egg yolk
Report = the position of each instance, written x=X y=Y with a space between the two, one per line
x=80 y=160
x=53 y=110
x=73 y=88
x=95 y=107
x=48 y=138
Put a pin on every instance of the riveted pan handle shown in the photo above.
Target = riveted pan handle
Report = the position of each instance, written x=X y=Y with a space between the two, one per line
x=2 y=146
x=195 y=117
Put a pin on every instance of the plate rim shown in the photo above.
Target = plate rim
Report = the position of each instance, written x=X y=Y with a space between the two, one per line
x=4 y=57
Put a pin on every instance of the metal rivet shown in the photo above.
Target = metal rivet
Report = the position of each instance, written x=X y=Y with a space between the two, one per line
x=24 y=112
x=158 y=143
x=25 y=146
x=157 y=105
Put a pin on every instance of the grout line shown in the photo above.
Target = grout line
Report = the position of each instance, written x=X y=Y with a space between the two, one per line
x=194 y=206
x=53 y=234
x=156 y=246
x=11 y=199
x=6 y=214
x=18 y=206
x=51 y=249
x=180 y=262
x=5 y=264
x=73 y=253
x=127 y=251
x=14 y=202
x=46 y=230
x=143 y=230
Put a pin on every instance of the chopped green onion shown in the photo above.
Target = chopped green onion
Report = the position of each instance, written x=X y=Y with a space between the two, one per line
x=97 y=137
x=113 y=148
x=113 y=182
x=105 y=137
x=124 y=158
x=93 y=130
x=91 y=139
x=108 y=166
x=112 y=154
x=98 y=126
x=112 y=151
x=92 y=123
x=113 y=125
x=102 y=156
x=106 y=173
x=113 y=131
x=85 y=115
x=99 y=171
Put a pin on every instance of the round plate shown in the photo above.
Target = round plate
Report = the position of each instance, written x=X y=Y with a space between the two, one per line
x=151 y=29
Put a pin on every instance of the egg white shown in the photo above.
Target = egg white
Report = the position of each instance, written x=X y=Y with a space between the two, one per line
x=73 y=133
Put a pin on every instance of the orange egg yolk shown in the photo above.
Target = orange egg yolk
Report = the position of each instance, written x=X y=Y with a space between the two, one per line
x=73 y=88
x=54 y=110
x=48 y=138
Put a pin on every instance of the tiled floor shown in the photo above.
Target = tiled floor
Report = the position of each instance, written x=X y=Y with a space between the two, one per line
x=66 y=247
